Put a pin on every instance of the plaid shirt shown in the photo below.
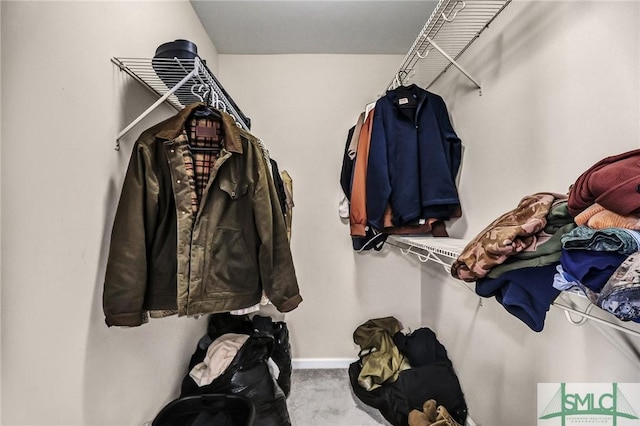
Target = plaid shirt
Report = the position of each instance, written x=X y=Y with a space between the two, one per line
x=199 y=159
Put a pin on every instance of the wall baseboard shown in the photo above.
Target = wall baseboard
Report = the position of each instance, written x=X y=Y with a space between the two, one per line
x=321 y=363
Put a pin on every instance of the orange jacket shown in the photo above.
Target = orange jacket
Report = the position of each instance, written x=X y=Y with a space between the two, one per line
x=358 y=207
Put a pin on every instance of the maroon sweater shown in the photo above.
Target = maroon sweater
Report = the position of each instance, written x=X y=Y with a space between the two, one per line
x=613 y=182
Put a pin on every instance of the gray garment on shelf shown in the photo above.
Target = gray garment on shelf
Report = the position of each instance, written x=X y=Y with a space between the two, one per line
x=623 y=241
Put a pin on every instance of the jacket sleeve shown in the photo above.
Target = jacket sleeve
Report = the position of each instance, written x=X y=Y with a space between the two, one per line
x=378 y=179
x=453 y=144
x=126 y=272
x=277 y=273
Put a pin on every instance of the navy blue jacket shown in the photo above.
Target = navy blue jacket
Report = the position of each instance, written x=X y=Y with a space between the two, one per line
x=414 y=158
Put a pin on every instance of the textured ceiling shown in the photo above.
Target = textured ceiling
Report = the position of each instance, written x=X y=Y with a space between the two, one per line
x=337 y=27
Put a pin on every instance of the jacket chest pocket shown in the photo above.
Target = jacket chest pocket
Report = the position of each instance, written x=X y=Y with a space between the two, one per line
x=234 y=190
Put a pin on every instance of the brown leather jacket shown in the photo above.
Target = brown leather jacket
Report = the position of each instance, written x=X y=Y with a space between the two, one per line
x=163 y=257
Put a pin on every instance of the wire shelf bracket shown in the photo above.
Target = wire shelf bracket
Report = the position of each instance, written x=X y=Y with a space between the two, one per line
x=454 y=63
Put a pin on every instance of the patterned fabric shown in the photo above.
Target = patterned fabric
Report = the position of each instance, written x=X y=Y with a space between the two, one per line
x=204 y=149
x=621 y=294
x=509 y=234
x=544 y=255
x=547 y=247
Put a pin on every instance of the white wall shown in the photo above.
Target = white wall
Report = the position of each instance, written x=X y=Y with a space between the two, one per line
x=63 y=102
x=561 y=90
x=302 y=107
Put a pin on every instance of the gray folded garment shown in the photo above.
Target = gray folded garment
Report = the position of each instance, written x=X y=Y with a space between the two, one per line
x=623 y=241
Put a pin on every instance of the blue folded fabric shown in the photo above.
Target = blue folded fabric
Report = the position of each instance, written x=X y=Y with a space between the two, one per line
x=591 y=268
x=526 y=293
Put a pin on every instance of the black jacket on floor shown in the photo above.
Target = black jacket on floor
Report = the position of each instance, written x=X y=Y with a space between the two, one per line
x=431 y=376
x=248 y=375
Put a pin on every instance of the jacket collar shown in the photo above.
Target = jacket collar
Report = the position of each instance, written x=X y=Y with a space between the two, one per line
x=403 y=91
x=173 y=127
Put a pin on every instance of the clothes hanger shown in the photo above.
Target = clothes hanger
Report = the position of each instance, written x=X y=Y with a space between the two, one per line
x=205 y=111
x=197 y=88
x=398 y=81
x=220 y=105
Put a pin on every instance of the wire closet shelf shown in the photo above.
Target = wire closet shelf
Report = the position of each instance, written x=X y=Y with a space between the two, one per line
x=181 y=84
x=452 y=27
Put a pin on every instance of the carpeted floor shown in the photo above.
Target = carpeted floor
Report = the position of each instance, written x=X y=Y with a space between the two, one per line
x=325 y=398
